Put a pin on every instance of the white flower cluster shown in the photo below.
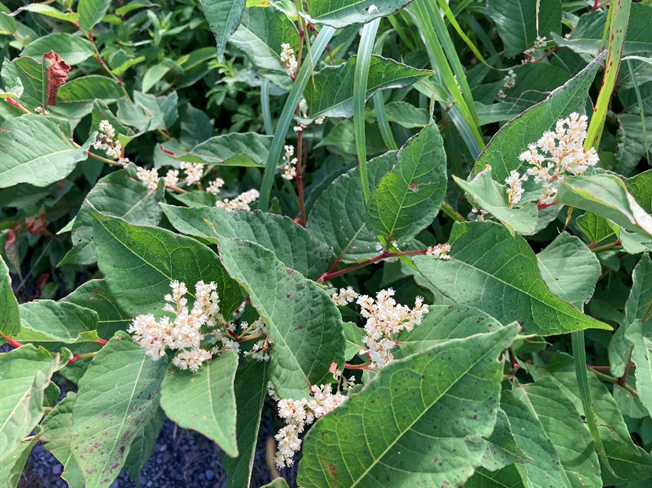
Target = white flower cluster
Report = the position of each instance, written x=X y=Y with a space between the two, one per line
x=515 y=183
x=107 y=141
x=344 y=296
x=385 y=319
x=183 y=331
x=241 y=202
x=289 y=59
x=149 y=177
x=289 y=164
x=440 y=250
x=260 y=350
x=562 y=152
x=215 y=185
x=508 y=82
x=299 y=413
x=194 y=172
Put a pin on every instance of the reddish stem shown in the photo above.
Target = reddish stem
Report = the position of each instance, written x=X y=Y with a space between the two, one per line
x=385 y=254
x=359 y=367
x=102 y=341
x=10 y=341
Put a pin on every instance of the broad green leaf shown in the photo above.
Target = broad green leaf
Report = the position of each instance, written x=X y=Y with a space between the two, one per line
x=7 y=23
x=250 y=393
x=148 y=112
x=346 y=12
x=640 y=335
x=204 y=400
x=290 y=242
x=498 y=273
x=596 y=228
x=640 y=187
x=260 y=35
x=353 y=335
x=331 y=94
x=196 y=127
x=633 y=142
x=47 y=10
x=408 y=198
x=34 y=150
x=27 y=73
x=339 y=215
x=607 y=196
x=398 y=429
x=118 y=394
x=73 y=49
x=76 y=98
x=443 y=323
x=56 y=435
x=303 y=321
x=119 y=194
x=233 y=149
x=566 y=253
x=563 y=426
x=50 y=321
x=24 y=375
x=586 y=38
x=483 y=192
x=91 y=12
x=520 y=22
x=139 y=263
x=508 y=477
x=533 y=83
x=9 y=317
x=95 y=295
x=407 y=115
x=142 y=447
x=154 y=74
x=637 y=308
x=512 y=139
x=11 y=469
x=627 y=460
x=545 y=470
x=502 y=449
x=277 y=483
x=223 y=18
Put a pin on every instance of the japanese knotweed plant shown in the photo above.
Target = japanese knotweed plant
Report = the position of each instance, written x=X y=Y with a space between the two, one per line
x=451 y=289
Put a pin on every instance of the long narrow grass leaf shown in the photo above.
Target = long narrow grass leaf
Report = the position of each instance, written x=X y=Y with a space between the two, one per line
x=365 y=49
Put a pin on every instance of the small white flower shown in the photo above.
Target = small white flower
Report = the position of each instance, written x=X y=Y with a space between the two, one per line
x=194 y=172
x=148 y=178
x=440 y=250
x=289 y=59
x=215 y=185
x=515 y=190
x=344 y=296
x=171 y=178
x=508 y=82
x=241 y=202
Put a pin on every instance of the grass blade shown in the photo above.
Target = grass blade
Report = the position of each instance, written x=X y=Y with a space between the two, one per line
x=365 y=49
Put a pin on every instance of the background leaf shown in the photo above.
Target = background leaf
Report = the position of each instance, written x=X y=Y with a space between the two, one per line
x=347 y=12
x=118 y=394
x=9 y=317
x=398 y=427
x=204 y=400
x=568 y=252
x=339 y=215
x=290 y=242
x=91 y=12
x=408 y=198
x=303 y=321
x=134 y=259
x=223 y=17
x=34 y=150
x=482 y=273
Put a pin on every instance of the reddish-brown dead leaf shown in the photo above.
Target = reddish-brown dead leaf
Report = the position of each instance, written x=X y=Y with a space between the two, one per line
x=57 y=73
